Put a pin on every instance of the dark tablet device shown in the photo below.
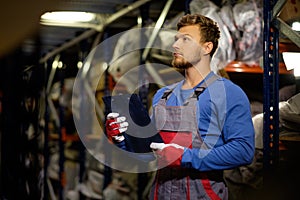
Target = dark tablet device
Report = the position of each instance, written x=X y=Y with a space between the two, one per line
x=141 y=131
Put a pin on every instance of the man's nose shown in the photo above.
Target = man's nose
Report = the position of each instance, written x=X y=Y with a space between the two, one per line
x=176 y=45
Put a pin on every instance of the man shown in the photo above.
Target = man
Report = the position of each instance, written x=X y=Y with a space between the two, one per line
x=204 y=120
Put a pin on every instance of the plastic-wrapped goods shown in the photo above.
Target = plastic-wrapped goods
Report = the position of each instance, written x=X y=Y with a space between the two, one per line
x=65 y=97
x=126 y=57
x=289 y=112
x=226 y=52
x=226 y=13
x=125 y=64
x=248 y=19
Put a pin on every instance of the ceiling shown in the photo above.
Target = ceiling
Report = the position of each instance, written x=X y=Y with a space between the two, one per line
x=26 y=31
x=23 y=28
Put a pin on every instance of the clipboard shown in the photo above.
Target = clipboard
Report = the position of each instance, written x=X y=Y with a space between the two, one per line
x=141 y=130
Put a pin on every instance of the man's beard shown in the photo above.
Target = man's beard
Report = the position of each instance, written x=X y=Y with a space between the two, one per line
x=181 y=65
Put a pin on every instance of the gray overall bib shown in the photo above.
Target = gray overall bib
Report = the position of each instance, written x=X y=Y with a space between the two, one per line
x=179 y=124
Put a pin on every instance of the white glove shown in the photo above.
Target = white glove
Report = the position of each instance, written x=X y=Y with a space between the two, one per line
x=161 y=146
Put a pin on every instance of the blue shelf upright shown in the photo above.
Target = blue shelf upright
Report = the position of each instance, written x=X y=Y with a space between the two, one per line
x=270 y=81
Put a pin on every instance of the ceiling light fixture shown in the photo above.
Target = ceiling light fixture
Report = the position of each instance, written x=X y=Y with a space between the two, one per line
x=69 y=18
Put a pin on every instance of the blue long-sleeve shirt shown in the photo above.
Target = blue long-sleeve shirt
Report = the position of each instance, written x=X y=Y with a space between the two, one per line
x=224 y=123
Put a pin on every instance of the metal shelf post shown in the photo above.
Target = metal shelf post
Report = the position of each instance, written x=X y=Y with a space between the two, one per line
x=270 y=80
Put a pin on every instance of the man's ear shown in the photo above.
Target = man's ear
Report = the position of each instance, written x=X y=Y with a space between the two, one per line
x=208 y=46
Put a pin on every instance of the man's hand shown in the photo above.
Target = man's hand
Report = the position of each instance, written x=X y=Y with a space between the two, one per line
x=168 y=154
x=115 y=126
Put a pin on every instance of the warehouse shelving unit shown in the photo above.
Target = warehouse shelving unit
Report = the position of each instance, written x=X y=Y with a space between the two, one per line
x=273 y=25
x=279 y=175
x=89 y=93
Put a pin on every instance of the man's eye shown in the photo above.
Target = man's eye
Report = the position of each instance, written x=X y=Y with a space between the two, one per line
x=185 y=38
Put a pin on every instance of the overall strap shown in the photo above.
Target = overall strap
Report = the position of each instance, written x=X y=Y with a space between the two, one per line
x=168 y=91
x=200 y=88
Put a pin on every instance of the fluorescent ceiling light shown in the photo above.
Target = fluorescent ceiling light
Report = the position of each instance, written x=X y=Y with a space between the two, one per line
x=70 y=19
x=296 y=26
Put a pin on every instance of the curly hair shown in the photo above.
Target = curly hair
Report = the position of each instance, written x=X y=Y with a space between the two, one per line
x=209 y=29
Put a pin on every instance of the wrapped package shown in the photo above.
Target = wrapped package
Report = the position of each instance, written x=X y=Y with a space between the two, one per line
x=226 y=52
x=248 y=19
x=126 y=64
